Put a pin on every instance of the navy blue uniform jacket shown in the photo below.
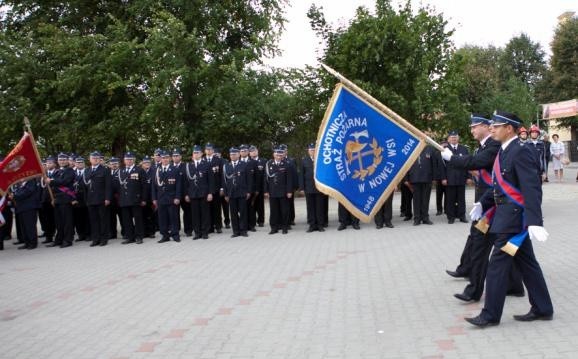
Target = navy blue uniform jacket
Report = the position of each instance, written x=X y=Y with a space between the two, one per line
x=519 y=168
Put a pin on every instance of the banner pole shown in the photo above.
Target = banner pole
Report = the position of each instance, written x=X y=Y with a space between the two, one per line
x=29 y=130
x=397 y=118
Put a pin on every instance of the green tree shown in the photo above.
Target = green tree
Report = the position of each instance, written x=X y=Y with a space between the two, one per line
x=480 y=75
x=401 y=57
x=561 y=81
x=118 y=75
x=523 y=59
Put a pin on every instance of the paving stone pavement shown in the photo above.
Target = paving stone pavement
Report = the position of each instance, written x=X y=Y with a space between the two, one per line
x=350 y=294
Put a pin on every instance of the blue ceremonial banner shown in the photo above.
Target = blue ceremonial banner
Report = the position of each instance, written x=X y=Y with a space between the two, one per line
x=362 y=154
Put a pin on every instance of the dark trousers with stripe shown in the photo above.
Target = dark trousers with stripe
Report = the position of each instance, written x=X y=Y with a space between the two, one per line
x=238 y=208
x=99 y=221
x=27 y=222
x=421 y=196
x=133 y=222
x=498 y=275
x=169 y=224
x=201 y=215
x=456 y=201
x=385 y=213
x=479 y=251
x=279 y=213
x=316 y=209
x=64 y=224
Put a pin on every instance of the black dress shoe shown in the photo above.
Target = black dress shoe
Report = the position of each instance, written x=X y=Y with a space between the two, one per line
x=284 y=231
x=104 y=243
x=196 y=237
x=205 y=236
x=310 y=229
x=451 y=220
x=177 y=239
x=321 y=229
x=47 y=240
x=416 y=223
x=65 y=245
x=139 y=241
x=379 y=226
x=531 y=316
x=455 y=274
x=235 y=235
x=244 y=234
x=219 y=230
x=405 y=219
x=427 y=221
x=52 y=245
x=163 y=240
x=389 y=225
x=356 y=226
x=127 y=241
x=481 y=322
x=23 y=247
x=464 y=220
x=464 y=297
x=273 y=231
x=31 y=247
x=438 y=213
x=341 y=227
x=188 y=234
x=94 y=244
x=252 y=229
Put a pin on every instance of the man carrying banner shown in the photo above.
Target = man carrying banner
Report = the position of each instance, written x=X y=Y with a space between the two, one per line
x=516 y=201
x=63 y=186
x=22 y=164
x=26 y=197
x=474 y=259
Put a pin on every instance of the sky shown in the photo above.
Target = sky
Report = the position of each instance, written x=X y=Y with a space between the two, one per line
x=486 y=22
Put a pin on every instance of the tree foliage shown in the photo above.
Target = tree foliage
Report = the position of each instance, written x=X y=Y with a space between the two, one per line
x=399 y=56
x=138 y=74
x=561 y=81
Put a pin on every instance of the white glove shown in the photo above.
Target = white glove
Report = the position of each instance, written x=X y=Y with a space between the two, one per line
x=447 y=154
x=476 y=212
x=538 y=233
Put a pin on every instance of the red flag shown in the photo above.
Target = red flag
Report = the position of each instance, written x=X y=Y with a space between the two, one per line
x=20 y=164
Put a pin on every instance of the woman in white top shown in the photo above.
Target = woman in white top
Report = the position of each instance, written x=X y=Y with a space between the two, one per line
x=557 y=150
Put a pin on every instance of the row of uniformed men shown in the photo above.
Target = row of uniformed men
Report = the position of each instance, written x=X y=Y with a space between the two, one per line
x=150 y=195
